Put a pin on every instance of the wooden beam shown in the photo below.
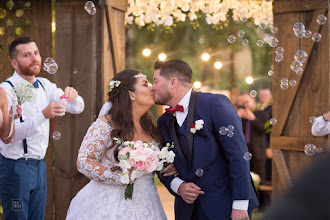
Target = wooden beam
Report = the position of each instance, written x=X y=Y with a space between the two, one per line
x=295 y=143
x=298 y=6
x=281 y=166
x=120 y=5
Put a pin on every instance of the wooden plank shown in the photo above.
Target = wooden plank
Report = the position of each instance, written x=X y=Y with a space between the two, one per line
x=295 y=143
x=280 y=163
x=120 y=5
x=285 y=6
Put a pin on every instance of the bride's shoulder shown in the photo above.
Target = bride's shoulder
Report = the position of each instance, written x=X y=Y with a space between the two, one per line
x=103 y=121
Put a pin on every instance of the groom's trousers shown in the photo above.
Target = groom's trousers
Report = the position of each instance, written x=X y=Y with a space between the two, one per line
x=23 y=188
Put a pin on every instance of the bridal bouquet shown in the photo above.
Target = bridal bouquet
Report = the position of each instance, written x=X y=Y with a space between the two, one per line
x=138 y=158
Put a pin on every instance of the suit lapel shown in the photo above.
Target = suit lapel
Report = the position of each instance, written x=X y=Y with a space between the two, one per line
x=190 y=122
x=175 y=139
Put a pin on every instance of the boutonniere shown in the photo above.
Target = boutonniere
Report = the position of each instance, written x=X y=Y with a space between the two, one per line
x=198 y=125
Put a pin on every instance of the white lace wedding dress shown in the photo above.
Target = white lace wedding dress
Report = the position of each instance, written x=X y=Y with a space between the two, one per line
x=103 y=197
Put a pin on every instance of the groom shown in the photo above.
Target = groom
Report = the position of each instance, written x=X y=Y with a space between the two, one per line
x=214 y=180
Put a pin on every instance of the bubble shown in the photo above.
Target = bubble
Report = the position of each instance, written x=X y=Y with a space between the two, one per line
x=223 y=130
x=263 y=25
x=241 y=33
x=319 y=150
x=321 y=20
x=295 y=64
x=231 y=127
x=316 y=37
x=300 y=56
x=312 y=119
x=273 y=42
x=310 y=149
x=259 y=43
x=90 y=8
x=50 y=65
x=56 y=135
x=245 y=42
x=199 y=172
x=48 y=62
x=274 y=30
x=284 y=80
x=299 y=70
x=243 y=19
x=273 y=121
x=279 y=58
x=230 y=134
x=231 y=39
x=253 y=93
x=284 y=86
x=292 y=82
x=279 y=50
x=298 y=27
x=270 y=72
x=247 y=156
x=307 y=33
x=300 y=34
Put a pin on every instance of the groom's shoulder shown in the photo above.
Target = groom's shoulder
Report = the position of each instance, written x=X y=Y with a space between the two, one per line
x=211 y=97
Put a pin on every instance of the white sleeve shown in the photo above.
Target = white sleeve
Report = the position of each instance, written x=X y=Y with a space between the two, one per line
x=105 y=109
x=320 y=127
x=241 y=204
x=175 y=184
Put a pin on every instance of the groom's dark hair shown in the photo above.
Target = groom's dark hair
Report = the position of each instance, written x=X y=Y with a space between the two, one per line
x=174 y=68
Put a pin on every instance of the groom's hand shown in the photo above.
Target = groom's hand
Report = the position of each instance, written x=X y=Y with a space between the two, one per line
x=239 y=215
x=189 y=192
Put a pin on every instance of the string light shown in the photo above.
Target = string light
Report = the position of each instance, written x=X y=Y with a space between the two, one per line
x=205 y=56
x=162 y=56
x=146 y=52
x=197 y=84
x=218 y=65
x=249 y=79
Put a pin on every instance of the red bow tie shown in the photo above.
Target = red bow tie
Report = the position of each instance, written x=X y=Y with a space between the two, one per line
x=178 y=108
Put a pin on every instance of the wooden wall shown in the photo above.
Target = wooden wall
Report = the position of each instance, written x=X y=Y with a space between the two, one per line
x=310 y=97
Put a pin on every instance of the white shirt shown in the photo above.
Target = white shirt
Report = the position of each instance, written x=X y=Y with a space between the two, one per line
x=35 y=128
x=320 y=127
x=180 y=118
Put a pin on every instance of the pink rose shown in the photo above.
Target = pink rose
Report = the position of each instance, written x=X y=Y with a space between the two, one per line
x=139 y=165
x=150 y=166
x=131 y=162
x=124 y=150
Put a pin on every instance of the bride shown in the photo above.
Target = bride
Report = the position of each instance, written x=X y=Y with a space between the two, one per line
x=128 y=119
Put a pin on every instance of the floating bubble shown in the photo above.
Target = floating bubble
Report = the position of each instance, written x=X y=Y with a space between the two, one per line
x=231 y=39
x=223 y=130
x=270 y=72
x=48 y=62
x=230 y=134
x=298 y=27
x=284 y=80
x=253 y=93
x=319 y=150
x=312 y=119
x=299 y=70
x=284 y=86
x=267 y=38
x=274 y=30
x=279 y=50
x=279 y=58
x=295 y=64
x=300 y=34
x=310 y=149
x=90 y=8
x=307 y=33
x=231 y=127
x=273 y=42
x=244 y=19
x=199 y=172
x=316 y=37
x=241 y=33
x=247 y=156
x=245 y=42
x=273 y=121
x=260 y=43
x=56 y=135
x=321 y=20
x=263 y=25
x=292 y=82
x=50 y=65
x=300 y=56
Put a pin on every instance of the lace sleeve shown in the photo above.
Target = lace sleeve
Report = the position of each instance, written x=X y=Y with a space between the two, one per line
x=91 y=161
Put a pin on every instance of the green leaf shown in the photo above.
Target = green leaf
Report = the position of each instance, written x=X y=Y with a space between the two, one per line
x=129 y=191
x=267 y=124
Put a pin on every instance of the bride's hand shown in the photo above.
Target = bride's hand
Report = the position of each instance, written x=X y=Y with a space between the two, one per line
x=170 y=170
x=18 y=110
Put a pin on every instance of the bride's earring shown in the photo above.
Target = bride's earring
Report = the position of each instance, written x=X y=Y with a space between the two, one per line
x=133 y=99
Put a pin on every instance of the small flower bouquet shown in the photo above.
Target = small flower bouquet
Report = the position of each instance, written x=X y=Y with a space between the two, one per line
x=138 y=158
x=25 y=92
x=198 y=125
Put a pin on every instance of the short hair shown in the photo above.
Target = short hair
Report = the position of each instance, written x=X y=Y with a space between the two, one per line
x=174 y=68
x=12 y=47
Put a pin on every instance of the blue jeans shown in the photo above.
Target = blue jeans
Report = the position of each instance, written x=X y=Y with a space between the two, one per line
x=23 y=188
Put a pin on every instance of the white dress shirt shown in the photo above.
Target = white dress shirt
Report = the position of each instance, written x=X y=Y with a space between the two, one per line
x=35 y=128
x=180 y=118
x=320 y=127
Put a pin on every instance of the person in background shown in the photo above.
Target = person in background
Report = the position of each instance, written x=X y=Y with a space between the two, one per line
x=321 y=125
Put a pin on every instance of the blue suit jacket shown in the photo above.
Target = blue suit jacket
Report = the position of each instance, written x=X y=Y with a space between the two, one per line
x=226 y=173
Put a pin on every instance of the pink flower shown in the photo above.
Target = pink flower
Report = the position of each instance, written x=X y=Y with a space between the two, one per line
x=150 y=165
x=139 y=165
x=131 y=162
x=124 y=150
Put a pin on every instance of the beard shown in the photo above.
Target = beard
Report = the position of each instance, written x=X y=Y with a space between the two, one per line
x=28 y=70
x=163 y=99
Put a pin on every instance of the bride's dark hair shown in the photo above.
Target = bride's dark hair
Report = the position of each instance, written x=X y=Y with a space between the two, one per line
x=121 y=110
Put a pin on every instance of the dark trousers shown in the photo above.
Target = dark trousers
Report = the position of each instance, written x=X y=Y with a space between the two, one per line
x=23 y=188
